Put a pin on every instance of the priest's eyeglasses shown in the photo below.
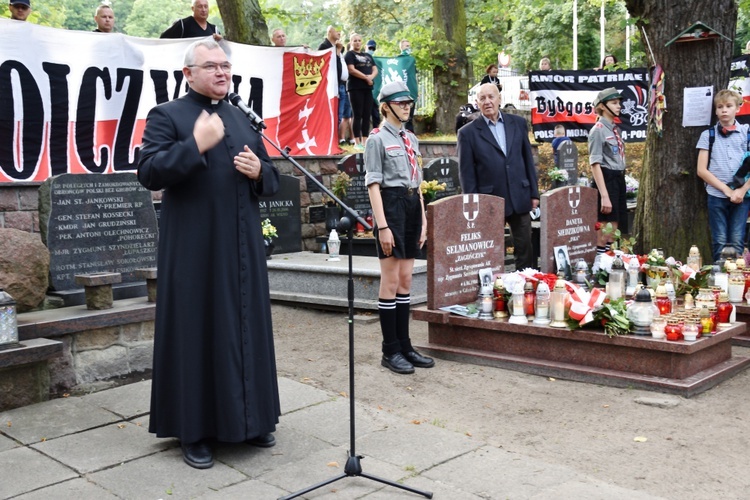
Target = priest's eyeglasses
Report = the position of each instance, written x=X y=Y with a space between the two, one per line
x=212 y=67
x=405 y=104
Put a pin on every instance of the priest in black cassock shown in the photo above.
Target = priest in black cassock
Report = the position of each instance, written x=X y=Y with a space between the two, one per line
x=214 y=376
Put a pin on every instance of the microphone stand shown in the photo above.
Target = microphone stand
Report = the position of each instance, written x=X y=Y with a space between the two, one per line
x=353 y=466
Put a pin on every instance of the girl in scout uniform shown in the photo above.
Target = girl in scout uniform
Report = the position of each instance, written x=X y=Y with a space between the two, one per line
x=394 y=173
x=607 y=160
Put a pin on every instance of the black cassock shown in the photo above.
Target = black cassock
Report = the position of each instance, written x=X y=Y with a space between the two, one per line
x=214 y=364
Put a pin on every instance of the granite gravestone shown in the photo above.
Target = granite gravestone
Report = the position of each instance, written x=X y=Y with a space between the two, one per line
x=283 y=210
x=96 y=223
x=357 y=196
x=568 y=219
x=567 y=158
x=443 y=170
x=466 y=234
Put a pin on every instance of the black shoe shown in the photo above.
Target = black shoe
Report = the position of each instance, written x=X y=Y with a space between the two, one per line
x=418 y=360
x=198 y=455
x=397 y=363
x=263 y=441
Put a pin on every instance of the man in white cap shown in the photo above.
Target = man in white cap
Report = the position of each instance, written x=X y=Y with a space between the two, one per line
x=19 y=9
x=607 y=160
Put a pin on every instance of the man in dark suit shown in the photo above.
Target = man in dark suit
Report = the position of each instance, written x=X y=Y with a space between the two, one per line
x=494 y=157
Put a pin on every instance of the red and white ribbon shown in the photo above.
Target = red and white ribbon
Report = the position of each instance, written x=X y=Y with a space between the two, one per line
x=583 y=303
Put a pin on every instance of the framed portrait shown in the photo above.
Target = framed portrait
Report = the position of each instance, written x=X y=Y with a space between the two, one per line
x=485 y=277
x=562 y=261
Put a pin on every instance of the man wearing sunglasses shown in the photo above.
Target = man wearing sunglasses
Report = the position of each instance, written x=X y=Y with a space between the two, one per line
x=214 y=371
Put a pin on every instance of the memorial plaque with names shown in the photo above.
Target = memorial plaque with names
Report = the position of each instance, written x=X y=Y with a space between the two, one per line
x=567 y=157
x=568 y=219
x=283 y=209
x=357 y=196
x=311 y=186
x=465 y=236
x=443 y=170
x=317 y=214
x=96 y=223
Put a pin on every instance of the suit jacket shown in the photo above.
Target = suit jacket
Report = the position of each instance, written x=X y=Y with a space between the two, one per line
x=485 y=169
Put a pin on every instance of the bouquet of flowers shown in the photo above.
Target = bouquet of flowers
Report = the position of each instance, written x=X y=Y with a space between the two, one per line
x=631 y=187
x=612 y=316
x=558 y=175
x=269 y=230
x=430 y=189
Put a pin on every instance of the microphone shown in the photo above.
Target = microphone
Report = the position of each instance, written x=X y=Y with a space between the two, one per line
x=254 y=118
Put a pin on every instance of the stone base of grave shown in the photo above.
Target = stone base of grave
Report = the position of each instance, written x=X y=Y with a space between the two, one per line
x=743 y=314
x=120 y=291
x=309 y=279
x=683 y=368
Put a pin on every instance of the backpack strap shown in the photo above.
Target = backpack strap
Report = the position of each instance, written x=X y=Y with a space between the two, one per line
x=711 y=140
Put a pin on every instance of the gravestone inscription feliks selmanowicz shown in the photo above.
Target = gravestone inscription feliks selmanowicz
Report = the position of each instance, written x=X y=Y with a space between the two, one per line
x=568 y=219
x=466 y=234
x=94 y=223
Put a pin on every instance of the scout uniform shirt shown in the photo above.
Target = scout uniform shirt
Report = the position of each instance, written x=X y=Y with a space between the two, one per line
x=386 y=162
x=606 y=146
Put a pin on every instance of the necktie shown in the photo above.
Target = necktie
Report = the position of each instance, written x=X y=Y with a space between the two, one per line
x=410 y=154
x=620 y=144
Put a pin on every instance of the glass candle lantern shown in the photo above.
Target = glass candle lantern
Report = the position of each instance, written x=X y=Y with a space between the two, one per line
x=662 y=300
x=517 y=310
x=657 y=327
x=634 y=269
x=557 y=301
x=501 y=306
x=704 y=298
x=541 y=304
x=582 y=274
x=529 y=297
x=673 y=331
x=334 y=245
x=721 y=279
x=694 y=258
x=716 y=291
x=642 y=312
x=706 y=322
x=714 y=312
x=736 y=286
x=724 y=310
x=617 y=279
x=688 y=302
x=690 y=332
x=486 y=305
x=8 y=320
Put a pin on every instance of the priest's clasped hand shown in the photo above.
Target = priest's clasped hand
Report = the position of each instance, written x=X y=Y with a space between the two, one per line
x=248 y=164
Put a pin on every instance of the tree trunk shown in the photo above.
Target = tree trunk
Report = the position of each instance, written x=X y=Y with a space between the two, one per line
x=451 y=77
x=244 y=22
x=671 y=211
